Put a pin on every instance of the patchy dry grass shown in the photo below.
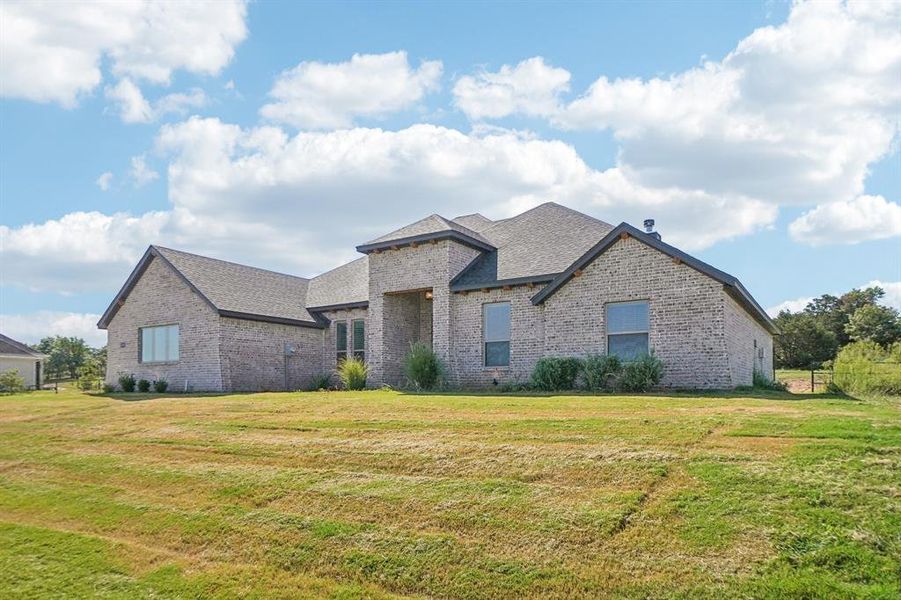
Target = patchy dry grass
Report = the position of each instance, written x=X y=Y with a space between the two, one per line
x=380 y=494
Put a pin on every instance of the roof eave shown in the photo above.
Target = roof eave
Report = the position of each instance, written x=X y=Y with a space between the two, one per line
x=427 y=237
x=466 y=287
x=342 y=306
x=231 y=314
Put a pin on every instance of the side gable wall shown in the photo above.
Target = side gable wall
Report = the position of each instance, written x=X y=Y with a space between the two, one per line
x=742 y=332
x=161 y=297
x=686 y=313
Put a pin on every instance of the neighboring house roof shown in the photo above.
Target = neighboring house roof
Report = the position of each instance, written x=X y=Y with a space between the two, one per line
x=433 y=227
x=730 y=283
x=343 y=287
x=11 y=347
x=231 y=289
x=532 y=247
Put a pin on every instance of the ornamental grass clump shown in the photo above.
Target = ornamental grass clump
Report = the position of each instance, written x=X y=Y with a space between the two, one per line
x=423 y=367
x=601 y=372
x=353 y=373
x=641 y=374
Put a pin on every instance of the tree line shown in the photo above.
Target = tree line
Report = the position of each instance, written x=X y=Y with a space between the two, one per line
x=812 y=337
x=71 y=358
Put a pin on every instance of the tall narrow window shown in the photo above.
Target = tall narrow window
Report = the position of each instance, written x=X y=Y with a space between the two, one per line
x=496 y=333
x=359 y=338
x=341 y=340
x=627 y=329
x=159 y=344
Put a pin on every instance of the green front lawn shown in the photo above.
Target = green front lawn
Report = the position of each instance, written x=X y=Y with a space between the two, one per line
x=382 y=494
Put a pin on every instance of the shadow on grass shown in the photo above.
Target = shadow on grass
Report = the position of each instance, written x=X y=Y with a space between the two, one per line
x=141 y=396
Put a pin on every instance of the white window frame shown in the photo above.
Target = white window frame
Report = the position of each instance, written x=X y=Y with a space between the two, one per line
x=169 y=327
x=646 y=332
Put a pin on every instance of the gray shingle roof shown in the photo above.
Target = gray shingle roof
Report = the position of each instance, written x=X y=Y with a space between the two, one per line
x=433 y=226
x=11 y=346
x=347 y=284
x=475 y=221
x=235 y=288
x=539 y=242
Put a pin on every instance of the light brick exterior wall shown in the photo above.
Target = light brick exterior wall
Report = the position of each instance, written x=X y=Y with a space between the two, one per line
x=704 y=338
x=466 y=367
x=253 y=355
x=744 y=339
x=215 y=354
x=686 y=313
x=161 y=297
x=330 y=337
x=428 y=266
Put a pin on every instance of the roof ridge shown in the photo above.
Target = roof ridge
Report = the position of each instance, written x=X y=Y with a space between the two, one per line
x=229 y=262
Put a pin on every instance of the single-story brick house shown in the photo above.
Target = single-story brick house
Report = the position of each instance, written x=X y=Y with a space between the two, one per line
x=18 y=357
x=490 y=297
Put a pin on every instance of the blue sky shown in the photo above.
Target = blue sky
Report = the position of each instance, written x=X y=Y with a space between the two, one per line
x=763 y=137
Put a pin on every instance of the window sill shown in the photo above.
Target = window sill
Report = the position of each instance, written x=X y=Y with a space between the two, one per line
x=159 y=363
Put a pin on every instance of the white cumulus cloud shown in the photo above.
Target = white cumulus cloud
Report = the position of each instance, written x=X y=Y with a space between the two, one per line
x=78 y=252
x=315 y=95
x=861 y=219
x=30 y=328
x=532 y=88
x=261 y=196
x=132 y=107
x=50 y=52
x=794 y=114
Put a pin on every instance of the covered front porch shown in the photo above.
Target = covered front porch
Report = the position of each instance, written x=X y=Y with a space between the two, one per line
x=407 y=318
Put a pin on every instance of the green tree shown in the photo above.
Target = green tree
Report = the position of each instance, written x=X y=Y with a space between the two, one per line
x=874 y=323
x=834 y=313
x=805 y=341
x=66 y=355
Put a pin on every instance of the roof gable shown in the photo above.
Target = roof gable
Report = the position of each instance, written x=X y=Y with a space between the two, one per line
x=730 y=283
x=233 y=290
x=433 y=227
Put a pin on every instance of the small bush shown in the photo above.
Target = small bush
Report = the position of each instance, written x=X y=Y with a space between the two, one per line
x=759 y=381
x=143 y=386
x=323 y=381
x=600 y=372
x=127 y=382
x=554 y=373
x=641 y=374
x=867 y=368
x=108 y=388
x=423 y=367
x=11 y=381
x=160 y=386
x=353 y=372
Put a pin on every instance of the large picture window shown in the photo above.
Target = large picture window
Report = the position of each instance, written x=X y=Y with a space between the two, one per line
x=159 y=344
x=496 y=333
x=359 y=338
x=627 y=329
x=340 y=340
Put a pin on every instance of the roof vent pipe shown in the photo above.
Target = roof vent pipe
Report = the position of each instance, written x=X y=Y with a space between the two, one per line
x=649 y=228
